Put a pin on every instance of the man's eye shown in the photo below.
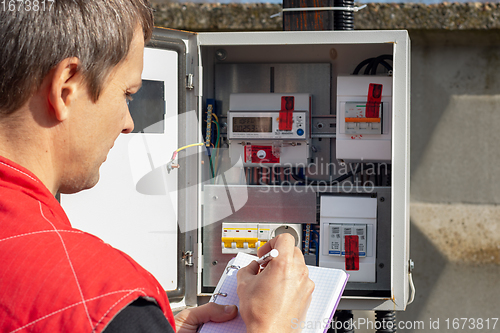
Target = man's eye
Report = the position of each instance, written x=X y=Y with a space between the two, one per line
x=129 y=98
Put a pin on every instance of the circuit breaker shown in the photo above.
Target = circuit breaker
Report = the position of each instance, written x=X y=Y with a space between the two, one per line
x=364 y=118
x=244 y=237
x=248 y=237
x=359 y=121
x=343 y=218
x=337 y=243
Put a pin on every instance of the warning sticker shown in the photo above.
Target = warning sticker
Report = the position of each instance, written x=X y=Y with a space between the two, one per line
x=351 y=253
x=373 y=103
x=260 y=154
x=286 y=113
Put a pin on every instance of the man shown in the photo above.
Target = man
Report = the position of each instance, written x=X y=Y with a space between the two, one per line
x=65 y=77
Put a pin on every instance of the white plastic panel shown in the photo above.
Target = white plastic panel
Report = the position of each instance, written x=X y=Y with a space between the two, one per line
x=341 y=216
x=134 y=205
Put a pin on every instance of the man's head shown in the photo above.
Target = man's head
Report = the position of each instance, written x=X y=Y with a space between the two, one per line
x=65 y=78
x=97 y=32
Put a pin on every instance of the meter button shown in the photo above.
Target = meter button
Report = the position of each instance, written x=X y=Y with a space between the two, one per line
x=300 y=132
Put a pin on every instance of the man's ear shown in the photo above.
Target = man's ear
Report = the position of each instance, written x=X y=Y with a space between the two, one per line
x=65 y=83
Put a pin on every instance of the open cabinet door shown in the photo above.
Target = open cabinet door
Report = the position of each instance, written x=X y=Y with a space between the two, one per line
x=134 y=207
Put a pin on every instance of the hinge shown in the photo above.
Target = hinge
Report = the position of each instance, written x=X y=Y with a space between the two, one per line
x=189 y=81
x=188 y=258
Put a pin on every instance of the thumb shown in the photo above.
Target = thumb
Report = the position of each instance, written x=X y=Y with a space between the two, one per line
x=251 y=269
x=192 y=318
x=217 y=313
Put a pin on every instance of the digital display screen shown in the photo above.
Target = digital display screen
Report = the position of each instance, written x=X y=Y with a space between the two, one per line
x=252 y=124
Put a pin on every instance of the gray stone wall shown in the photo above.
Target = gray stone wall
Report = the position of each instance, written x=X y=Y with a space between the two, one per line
x=256 y=16
x=216 y=17
x=444 y=16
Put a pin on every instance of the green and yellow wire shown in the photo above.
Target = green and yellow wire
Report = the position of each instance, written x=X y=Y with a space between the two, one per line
x=170 y=165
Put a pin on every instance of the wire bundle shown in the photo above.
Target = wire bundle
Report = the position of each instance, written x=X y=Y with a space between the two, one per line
x=216 y=147
x=372 y=64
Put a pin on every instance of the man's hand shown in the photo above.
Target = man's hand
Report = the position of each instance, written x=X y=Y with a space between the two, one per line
x=187 y=321
x=272 y=298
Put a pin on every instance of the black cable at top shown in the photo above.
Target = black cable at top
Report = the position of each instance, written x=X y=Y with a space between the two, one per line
x=372 y=67
x=372 y=64
x=361 y=64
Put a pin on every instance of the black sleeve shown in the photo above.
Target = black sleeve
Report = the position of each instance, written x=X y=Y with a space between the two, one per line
x=140 y=316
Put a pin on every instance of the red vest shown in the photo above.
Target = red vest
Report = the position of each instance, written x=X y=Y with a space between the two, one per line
x=54 y=278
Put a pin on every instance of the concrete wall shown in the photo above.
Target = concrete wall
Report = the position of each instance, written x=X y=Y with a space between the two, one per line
x=455 y=162
x=455 y=136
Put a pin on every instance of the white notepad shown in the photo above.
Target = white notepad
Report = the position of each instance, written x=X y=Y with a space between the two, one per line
x=329 y=285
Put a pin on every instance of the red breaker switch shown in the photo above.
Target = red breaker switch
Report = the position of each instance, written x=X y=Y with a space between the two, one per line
x=351 y=253
x=286 y=113
x=373 y=103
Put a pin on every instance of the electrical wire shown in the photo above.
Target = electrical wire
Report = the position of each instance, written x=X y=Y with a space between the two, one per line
x=211 y=166
x=315 y=232
x=372 y=64
x=316 y=250
x=412 y=288
x=217 y=146
x=174 y=155
x=378 y=60
x=361 y=64
x=171 y=165
x=372 y=67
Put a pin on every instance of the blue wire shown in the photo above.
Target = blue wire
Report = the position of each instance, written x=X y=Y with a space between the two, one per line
x=316 y=232
x=317 y=250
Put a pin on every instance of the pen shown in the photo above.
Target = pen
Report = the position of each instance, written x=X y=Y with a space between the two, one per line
x=268 y=257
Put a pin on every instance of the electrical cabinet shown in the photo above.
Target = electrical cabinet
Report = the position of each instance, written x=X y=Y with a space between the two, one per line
x=280 y=132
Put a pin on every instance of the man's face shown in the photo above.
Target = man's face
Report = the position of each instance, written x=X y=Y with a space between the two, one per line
x=92 y=128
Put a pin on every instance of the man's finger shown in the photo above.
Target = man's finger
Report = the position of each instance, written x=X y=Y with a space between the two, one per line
x=284 y=243
x=249 y=270
x=205 y=313
x=265 y=248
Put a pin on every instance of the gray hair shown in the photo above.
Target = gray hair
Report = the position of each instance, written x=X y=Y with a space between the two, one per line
x=97 y=32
